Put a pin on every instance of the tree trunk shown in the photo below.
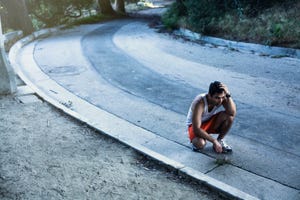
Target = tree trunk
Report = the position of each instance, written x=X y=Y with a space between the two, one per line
x=18 y=17
x=120 y=6
x=105 y=7
x=7 y=75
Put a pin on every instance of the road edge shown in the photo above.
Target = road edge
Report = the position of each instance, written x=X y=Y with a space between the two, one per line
x=263 y=50
x=212 y=183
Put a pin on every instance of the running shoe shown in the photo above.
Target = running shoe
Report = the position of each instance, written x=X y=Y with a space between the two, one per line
x=225 y=147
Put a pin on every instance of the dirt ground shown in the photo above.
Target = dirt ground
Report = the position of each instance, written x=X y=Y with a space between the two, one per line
x=45 y=154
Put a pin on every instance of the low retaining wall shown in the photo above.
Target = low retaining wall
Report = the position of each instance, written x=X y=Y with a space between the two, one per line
x=241 y=46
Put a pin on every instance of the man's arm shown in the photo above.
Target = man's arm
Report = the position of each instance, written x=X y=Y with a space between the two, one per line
x=199 y=132
x=229 y=105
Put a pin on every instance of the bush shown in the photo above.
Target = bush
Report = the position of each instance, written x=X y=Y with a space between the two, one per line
x=49 y=13
x=266 y=22
x=171 y=17
x=270 y=27
x=201 y=13
x=198 y=13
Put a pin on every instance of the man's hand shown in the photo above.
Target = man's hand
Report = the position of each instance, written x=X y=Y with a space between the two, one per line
x=228 y=104
x=217 y=146
x=225 y=88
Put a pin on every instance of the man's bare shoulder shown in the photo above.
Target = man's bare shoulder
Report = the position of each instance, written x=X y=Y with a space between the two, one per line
x=198 y=101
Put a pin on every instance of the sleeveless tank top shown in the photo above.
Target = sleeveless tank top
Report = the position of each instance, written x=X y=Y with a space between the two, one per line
x=205 y=115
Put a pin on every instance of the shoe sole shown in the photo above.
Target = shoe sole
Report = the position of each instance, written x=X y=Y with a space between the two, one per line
x=227 y=151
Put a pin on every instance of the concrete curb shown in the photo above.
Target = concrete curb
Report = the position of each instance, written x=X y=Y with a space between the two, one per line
x=240 y=46
x=26 y=40
x=11 y=38
x=214 y=184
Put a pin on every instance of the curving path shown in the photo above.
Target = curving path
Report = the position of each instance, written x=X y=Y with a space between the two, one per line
x=149 y=79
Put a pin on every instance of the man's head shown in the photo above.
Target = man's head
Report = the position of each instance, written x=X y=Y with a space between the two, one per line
x=216 y=93
x=215 y=87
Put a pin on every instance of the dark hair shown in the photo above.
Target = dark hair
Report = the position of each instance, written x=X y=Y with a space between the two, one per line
x=215 y=88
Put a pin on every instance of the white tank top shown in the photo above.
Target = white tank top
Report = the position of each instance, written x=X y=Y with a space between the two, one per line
x=205 y=115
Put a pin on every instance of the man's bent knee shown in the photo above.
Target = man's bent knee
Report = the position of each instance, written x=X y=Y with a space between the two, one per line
x=226 y=117
x=199 y=143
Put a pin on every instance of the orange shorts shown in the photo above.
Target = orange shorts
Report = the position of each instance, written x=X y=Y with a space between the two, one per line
x=207 y=126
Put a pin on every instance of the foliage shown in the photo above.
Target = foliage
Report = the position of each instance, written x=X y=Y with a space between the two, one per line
x=198 y=13
x=274 y=26
x=94 y=19
x=89 y=20
x=270 y=22
x=54 y=12
x=201 y=12
x=171 y=17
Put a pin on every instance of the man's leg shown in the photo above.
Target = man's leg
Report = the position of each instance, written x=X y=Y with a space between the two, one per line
x=219 y=123
x=199 y=143
x=223 y=124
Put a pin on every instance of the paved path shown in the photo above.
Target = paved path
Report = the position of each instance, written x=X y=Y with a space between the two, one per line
x=148 y=79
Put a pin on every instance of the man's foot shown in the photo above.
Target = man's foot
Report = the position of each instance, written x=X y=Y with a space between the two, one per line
x=226 y=148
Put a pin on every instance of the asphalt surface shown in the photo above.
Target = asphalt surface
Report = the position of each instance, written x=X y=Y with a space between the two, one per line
x=149 y=79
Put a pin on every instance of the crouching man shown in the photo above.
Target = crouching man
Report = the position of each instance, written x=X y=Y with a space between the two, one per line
x=211 y=113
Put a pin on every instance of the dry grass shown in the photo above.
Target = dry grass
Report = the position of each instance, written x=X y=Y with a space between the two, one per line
x=276 y=26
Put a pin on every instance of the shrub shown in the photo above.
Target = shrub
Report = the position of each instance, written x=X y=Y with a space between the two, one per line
x=200 y=13
x=269 y=22
x=48 y=13
x=172 y=16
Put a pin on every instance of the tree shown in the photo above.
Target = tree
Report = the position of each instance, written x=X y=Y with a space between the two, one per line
x=105 y=7
x=120 y=6
x=7 y=75
x=17 y=15
x=54 y=12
